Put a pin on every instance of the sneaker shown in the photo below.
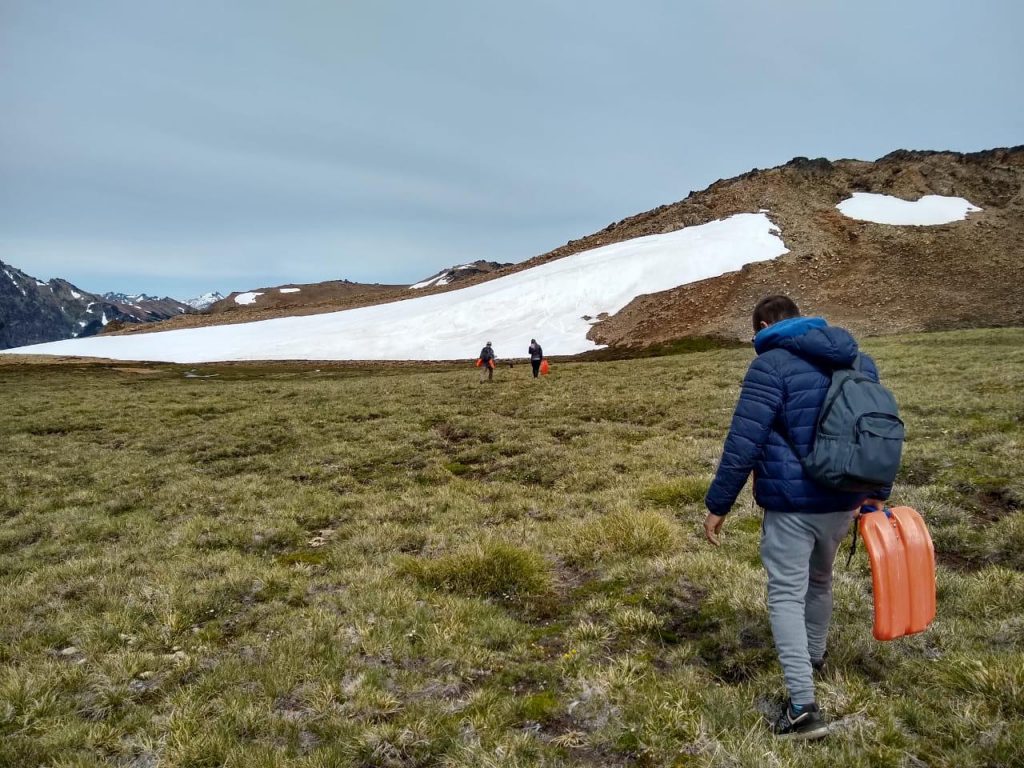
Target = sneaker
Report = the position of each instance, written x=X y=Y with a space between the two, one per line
x=807 y=723
x=818 y=665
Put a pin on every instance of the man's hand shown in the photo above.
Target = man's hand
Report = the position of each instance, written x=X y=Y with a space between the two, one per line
x=876 y=503
x=712 y=527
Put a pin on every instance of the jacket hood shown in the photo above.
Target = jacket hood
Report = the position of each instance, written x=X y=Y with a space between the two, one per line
x=812 y=339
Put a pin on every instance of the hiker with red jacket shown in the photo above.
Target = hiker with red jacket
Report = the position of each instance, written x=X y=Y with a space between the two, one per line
x=487 y=360
x=536 y=357
x=773 y=428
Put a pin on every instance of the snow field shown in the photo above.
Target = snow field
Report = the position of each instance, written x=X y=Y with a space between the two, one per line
x=885 y=209
x=548 y=302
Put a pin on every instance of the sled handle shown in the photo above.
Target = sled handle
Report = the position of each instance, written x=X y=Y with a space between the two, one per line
x=866 y=509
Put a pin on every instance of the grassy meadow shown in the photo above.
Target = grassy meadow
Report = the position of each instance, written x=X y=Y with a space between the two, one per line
x=313 y=565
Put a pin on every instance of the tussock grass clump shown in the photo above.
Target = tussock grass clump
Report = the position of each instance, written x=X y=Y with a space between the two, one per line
x=619 y=534
x=997 y=678
x=678 y=493
x=637 y=621
x=495 y=569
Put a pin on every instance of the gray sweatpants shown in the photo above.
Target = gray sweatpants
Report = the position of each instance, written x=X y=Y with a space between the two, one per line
x=798 y=551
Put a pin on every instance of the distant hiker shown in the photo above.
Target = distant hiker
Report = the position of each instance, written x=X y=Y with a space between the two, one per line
x=536 y=356
x=487 y=360
x=772 y=429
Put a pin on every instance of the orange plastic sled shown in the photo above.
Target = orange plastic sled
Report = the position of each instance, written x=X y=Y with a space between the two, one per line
x=544 y=367
x=479 y=362
x=902 y=571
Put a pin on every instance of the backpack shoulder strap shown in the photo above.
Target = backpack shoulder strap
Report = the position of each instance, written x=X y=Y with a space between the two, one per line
x=824 y=406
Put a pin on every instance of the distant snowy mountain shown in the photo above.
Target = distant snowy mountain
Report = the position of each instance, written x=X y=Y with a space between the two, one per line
x=204 y=301
x=146 y=309
x=458 y=274
x=124 y=298
x=33 y=311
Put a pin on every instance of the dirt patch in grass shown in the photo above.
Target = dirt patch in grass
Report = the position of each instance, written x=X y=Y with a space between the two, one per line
x=681 y=609
x=958 y=561
x=996 y=503
x=451 y=433
x=736 y=663
x=918 y=470
x=64 y=428
x=987 y=500
x=566 y=435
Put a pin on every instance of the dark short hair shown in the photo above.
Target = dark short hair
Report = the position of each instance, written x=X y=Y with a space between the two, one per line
x=771 y=309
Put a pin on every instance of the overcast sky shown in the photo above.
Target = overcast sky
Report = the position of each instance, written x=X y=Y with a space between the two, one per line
x=179 y=147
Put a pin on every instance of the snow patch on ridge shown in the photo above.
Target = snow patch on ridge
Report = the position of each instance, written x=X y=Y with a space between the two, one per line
x=547 y=302
x=288 y=290
x=16 y=283
x=885 y=209
x=249 y=297
x=443 y=278
x=425 y=283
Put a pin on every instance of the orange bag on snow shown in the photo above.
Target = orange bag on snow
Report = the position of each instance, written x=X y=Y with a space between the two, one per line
x=902 y=571
x=479 y=362
x=544 y=367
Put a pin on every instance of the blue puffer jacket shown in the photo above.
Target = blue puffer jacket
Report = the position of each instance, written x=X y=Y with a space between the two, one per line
x=782 y=395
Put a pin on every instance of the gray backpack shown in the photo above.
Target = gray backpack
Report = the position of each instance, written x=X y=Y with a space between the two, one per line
x=859 y=439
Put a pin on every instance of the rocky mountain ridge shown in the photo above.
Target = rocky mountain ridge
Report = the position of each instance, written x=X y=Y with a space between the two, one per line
x=33 y=311
x=459 y=274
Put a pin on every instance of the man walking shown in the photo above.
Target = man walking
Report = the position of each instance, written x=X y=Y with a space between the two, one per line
x=487 y=359
x=772 y=429
x=536 y=357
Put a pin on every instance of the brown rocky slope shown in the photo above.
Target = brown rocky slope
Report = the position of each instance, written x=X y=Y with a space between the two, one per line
x=871 y=278
x=296 y=299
